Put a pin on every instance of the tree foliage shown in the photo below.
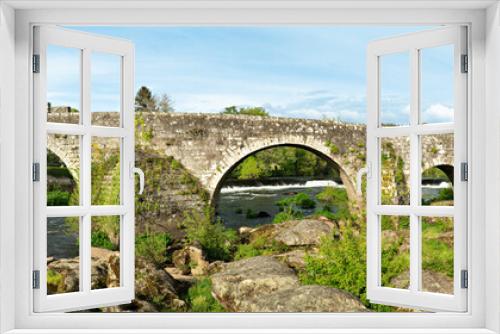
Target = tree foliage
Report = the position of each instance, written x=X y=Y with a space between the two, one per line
x=145 y=101
x=250 y=111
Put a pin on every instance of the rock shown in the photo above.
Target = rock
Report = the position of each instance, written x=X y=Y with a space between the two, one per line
x=244 y=231
x=294 y=259
x=251 y=278
x=309 y=298
x=184 y=281
x=304 y=232
x=431 y=281
x=64 y=273
x=190 y=259
x=215 y=267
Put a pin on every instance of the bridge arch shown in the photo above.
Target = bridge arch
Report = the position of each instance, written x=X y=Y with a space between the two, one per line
x=230 y=162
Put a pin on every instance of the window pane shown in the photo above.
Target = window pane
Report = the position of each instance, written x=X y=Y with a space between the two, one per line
x=105 y=171
x=437 y=254
x=63 y=262
x=106 y=89
x=105 y=252
x=395 y=171
x=63 y=170
x=436 y=84
x=63 y=84
x=394 y=101
x=437 y=169
x=395 y=247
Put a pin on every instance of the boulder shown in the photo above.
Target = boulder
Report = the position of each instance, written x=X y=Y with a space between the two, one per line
x=266 y=284
x=305 y=232
x=294 y=259
x=250 y=279
x=431 y=281
x=308 y=298
x=190 y=259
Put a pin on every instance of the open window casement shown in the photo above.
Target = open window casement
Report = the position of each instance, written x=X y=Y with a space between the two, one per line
x=92 y=126
x=426 y=128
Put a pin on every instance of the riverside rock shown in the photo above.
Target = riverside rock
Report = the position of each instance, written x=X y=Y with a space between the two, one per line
x=251 y=278
x=306 y=232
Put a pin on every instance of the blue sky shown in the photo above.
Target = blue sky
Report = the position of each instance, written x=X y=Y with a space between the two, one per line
x=305 y=72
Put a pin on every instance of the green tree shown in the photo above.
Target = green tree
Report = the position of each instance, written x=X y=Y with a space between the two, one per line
x=251 y=111
x=250 y=169
x=144 y=100
x=165 y=104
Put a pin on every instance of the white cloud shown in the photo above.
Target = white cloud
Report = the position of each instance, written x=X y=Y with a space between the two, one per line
x=437 y=113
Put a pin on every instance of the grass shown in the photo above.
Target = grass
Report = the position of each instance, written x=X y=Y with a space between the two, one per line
x=200 y=299
x=153 y=246
x=58 y=198
x=259 y=246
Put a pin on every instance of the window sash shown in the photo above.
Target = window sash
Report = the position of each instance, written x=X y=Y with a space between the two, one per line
x=85 y=298
x=413 y=296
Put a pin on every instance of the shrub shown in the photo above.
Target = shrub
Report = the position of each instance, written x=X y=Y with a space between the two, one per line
x=153 y=246
x=100 y=239
x=341 y=264
x=58 y=198
x=301 y=200
x=288 y=214
x=200 y=299
x=216 y=241
x=334 y=197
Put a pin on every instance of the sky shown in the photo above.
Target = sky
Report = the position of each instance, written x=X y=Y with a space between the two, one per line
x=301 y=72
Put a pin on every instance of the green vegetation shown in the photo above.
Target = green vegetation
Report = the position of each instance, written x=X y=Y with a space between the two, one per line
x=259 y=246
x=288 y=213
x=334 y=197
x=101 y=239
x=200 y=299
x=301 y=200
x=153 y=246
x=437 y=245
x=249 y=111
x=284 y=162
x=216 y=241
x=341 y=264
x=54 y=281
x=145 y=101
x=58 y=198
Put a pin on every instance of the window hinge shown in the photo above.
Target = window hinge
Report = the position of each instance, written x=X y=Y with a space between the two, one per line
x=36 y=172
x=36 y=279
x=464 y=171
x=464 y=279
x=465 y=63
x=36 y=63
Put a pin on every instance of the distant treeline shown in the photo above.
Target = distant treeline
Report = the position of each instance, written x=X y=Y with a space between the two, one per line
x=284 y=161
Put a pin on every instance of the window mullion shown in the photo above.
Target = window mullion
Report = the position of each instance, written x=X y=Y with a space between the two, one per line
x=415 y=158
x=86 y=181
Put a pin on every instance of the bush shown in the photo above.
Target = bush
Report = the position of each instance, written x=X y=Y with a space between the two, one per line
x=334 y=197
x=288 y=214
x=153 y=246
x=200 y=299
x=100 y=239
x=214 y=238
x=341 y=264
x=58 y=198
x=301 y=200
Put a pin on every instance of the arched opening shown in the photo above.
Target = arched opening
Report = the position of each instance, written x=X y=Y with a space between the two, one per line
x=437 y=185
x=277 y=183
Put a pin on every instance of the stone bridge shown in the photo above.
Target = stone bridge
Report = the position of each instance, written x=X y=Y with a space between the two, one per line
x=211 y=145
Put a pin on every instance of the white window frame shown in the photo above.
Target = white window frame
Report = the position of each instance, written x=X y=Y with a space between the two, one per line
x=16 y=304
x=412 y=44
x=87 y=44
